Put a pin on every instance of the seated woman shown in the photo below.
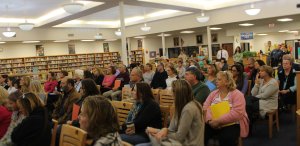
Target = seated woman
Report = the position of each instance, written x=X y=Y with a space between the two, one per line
x=255 y=71
x=231 y=125
x=210 y=79
x=16 y=117
x=187 y=124
x=144 y=113
x=25 y=82
x=99 y=119
x=108 y=80
x=36 y=88
x=10 y=83
x=241 y=79
x=5 y=113
x=98 y=75
x=172 y=76
x=51 y=83
x=35 y=129
x=264 y=94
x=223 y=66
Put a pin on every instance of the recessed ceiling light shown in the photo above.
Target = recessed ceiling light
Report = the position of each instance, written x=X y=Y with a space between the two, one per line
x=139 y=37
x=2 y=42
x=215 y=28
x=285 y=19
x=283 y=30
x=246 y=24
x=262 y=34
x=28 y=42
x=187 y=31
x=110 y=40
x=166 y=35
x=87 y=40
x=61 y=41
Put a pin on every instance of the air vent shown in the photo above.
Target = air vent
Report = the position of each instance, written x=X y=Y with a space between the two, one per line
x=71 y=35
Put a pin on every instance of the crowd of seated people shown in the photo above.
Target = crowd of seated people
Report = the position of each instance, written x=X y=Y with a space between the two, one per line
x=196 y=84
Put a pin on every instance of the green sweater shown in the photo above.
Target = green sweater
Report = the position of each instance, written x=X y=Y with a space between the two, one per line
x=201 y=92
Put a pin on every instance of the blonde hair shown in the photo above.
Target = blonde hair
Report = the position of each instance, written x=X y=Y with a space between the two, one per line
x=3 y=95
x=230 y=81
x=78 y=73
x=36 y=87
x=99 y=70
x=267 y=69
x=26 y=84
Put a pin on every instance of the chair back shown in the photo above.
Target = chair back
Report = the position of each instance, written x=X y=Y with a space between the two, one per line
x=165 y=115
x=54 y=130
x=249 y=87
x=156 y=94
x=166 y=97
x=126 y=93
x=72 y=136
x=122 y=109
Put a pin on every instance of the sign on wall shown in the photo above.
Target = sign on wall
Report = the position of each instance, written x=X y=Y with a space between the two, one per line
x=246 y=35
x=39 y=50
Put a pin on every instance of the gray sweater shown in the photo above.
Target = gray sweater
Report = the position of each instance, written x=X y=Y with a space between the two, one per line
x=268 y=96
x=190 y=131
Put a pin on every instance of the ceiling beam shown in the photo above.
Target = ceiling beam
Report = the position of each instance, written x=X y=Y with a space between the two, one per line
x=160 y=6
x=87 y=12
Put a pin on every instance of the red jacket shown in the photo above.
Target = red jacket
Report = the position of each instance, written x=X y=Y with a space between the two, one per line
x=4 y=120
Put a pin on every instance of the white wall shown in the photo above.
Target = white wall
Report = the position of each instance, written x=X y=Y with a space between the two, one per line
x=16 y=50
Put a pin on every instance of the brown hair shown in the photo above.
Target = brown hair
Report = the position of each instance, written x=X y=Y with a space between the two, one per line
x=144 y=91
x=150 y=65
x=267 y=69
x=173 y=69
x=26 y=83
x=3 y=95
x=29 y=102
x=102 y=116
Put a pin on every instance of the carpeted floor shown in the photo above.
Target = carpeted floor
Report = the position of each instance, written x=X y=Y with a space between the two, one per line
x=285 y=137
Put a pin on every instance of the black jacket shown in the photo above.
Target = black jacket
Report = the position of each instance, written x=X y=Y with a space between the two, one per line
x=34 y=130
x=159 y=80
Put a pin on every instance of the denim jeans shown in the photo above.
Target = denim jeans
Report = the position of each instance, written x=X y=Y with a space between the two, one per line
x=134 y=139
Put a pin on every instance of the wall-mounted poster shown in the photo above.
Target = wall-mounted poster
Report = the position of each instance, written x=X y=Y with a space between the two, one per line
x=140 y=43
x=71 y=48
x=39 y=50
x=246 y=35
x=199 y=39
x=152 y=54
x=105 y=47
x=176 y=41
x=214 y=37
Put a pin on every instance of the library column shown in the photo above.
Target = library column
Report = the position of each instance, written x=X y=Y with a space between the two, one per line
x=123 y=36
x=163 y=42
x=209 y=43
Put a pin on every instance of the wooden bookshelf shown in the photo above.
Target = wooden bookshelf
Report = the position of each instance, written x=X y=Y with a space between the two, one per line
x=137 y=56
x=55 y=63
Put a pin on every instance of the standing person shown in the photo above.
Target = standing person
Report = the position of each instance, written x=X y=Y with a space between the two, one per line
x=287 y=83
x=276 y=56
x=99 y=119
x=25 y=82
x=183 y=56
x=148 y=74
x=237 y=117
x=98 y=75
x=241 y=79
x=10 y=83
x=35 y=129
x=51 y=83
x=36 y=88
x=172 y=76
x=159 y=78
x=183 y=131
x=222 y=53
x=144 y=113
x=238 y=55
x=16 y=117
x=210 y=79
x=250 y=66
x=5 y=114
x=3 y=81
x=180 y=69
x=200 y=89
x=223 y=65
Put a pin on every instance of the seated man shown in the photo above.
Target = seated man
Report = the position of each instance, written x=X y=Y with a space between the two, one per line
x=159 y=78
x=117 y=90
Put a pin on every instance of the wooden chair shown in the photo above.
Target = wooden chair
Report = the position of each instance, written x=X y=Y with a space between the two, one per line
x=54 y=130
x=165 y=113
x=272 y=121
x=126 y=93
x=249 y=88
x=156 y=94
x=72 y=136
x=126 y=143
x=166 y=97
x=122 y=109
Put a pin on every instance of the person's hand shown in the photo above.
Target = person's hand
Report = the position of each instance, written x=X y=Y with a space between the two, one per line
x=69 y=122
x=215 y=124
x=152 y=131
x=114 y=88
x=130 y=130
x=284 y=91
x=161 y=134
x=257 y=80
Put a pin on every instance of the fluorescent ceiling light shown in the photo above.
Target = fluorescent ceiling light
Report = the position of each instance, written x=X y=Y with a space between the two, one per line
x=140 y=37
x=133 y=19
x=101 y=22
x=246 y=24
x=26 y=26
x=51 y=14
x=187 y=31
x=73 y=7
x=87 y=40
x=145 y=28
x=8 y=33
x=215 y=28
x=285 y=19
x=61 y=41
x=28 y=42
x=202 y=18
x=293 y=31
x=252 y=11
x=110 y=40
x=166 y=35
x=162 y=13
x=283 y=30
x=262 y=34
x=2 y=42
